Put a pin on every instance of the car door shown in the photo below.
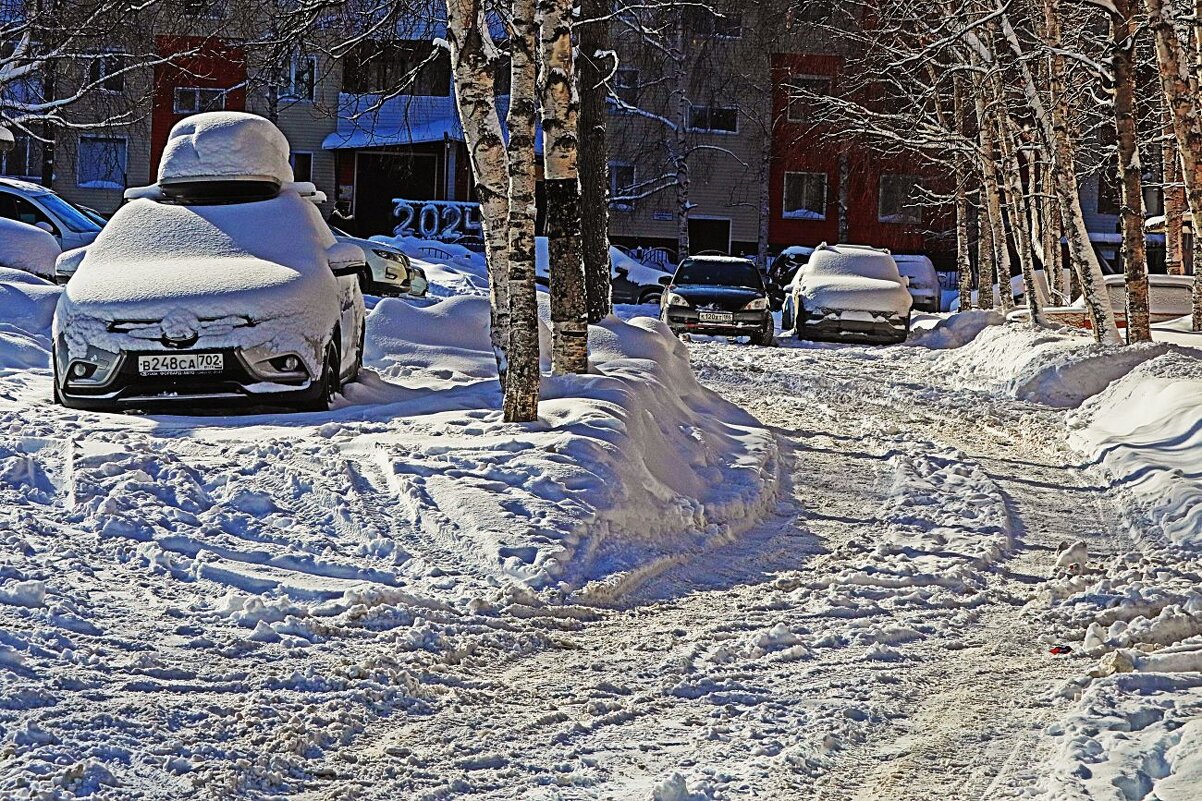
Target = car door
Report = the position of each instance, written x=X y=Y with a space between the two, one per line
x=348 y=263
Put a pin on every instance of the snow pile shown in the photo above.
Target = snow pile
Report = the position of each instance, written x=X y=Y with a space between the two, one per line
x=224 y=145
x=939 y=332
x=28 y=248
x=28 y=307
x=1059 y=369
x=630 y=466
x=1146 y=432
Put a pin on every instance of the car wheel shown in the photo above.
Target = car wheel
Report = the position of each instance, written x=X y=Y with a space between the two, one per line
x=786 y=318
x=56 y=393
x=358 y=353
x=651 y=296
x=328 y=381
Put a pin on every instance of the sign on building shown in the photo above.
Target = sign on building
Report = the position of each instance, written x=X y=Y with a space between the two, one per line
x=442 y=220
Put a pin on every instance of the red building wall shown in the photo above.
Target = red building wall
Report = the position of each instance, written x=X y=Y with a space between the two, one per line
x=804 y=147
x=196 y=62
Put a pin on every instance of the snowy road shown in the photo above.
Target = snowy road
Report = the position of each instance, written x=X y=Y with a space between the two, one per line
x=867 y=642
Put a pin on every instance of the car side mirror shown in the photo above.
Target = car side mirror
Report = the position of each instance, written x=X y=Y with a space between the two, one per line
x=45 y=226
x=345 y=258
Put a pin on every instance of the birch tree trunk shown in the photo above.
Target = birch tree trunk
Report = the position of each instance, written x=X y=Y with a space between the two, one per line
x=1052 y=235
x=1135 y=255
x=522 y=384
x=473 y=58
x=1019 y=212
x=1179 y=81
x=557 y=89
x=1174 y=201
x=993 y=203
x=680 y=144
x=986 y=265
x=593 y=67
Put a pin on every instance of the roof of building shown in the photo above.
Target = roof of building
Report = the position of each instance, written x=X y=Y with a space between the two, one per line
x=366 y=121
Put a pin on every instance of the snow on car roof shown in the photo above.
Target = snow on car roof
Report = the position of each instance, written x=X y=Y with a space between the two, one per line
x=225 y=145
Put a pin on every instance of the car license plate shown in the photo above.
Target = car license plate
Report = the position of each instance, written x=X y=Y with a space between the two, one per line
x=716 y=317
x=181 y=364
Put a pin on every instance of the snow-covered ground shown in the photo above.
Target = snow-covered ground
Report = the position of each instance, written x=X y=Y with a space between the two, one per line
x=812 y=571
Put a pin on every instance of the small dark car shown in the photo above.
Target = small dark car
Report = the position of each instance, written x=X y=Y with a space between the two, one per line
x=781 y=273
x=719 y=296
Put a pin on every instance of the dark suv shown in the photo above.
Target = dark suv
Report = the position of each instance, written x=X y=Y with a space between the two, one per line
x=720 y=296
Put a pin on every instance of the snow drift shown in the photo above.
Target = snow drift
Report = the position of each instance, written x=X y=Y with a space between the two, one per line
x=28 y=248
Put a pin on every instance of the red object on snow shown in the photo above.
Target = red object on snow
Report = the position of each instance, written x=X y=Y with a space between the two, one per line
x=1061 y=649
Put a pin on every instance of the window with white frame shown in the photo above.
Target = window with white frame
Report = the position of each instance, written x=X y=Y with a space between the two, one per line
x=804 y=196
x=626 y=85
x=714 y=118
x=101 y=162
x=105 y=71
x=193 y=99
x=900 y=202
x=621 y=185
x=302 y=78
x=802 y=90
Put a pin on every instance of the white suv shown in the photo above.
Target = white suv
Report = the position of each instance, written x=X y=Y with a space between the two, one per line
x=36 y=205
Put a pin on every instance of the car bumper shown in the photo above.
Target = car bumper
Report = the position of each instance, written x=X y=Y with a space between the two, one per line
x=742 y=323
x=842 y=329
x=235 y=386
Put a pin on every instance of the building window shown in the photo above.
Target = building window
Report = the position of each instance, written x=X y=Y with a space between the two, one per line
x=105 y=71
x=302 y=78
x=202 y=9
x=626 y=86
x=192 y=99
x=708 y=24
x=621 y=186
x=802 y=89
x=101 y=162
x=713 y=118
x=899 y=201
x=24 y=160
x=804 y=196
x=402 y=67
x=302 y=166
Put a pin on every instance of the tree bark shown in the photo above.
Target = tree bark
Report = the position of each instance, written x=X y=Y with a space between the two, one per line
x=1174 y=201
x=1050 y=211
x=1019 y=213
x=1135 y=257
x=561 y=106
x=523 y=379
x=593 y=66
x=473 y=58
x=993 y=202
x=986 y=267
x=680 y=143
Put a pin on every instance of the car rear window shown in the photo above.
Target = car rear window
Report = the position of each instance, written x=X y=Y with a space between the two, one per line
x=719 y=273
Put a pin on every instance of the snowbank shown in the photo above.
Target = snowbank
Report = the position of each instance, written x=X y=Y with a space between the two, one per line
x=629 y=466
x=451 y=269
x=27 y=305
x=28 y=248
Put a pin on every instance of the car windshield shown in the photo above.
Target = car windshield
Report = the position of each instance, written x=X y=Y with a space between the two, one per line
x=70 y=216
x=719 y=273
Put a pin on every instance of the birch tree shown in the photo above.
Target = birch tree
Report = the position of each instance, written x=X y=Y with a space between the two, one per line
x=474 y=59
x=522 y=380
x=595 y=62
x=561 y=105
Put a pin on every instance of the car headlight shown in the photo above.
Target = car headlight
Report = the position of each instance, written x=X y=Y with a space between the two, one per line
x=759 y=304
x=388 y=254
x=673 y=299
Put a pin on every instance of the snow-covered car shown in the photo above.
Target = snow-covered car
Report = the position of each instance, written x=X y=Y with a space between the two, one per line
x=219 y=286
x=923 y=280
x=36 y=205
x=851 y=293
x=1169 y=297
x=718 y=296
x=392 y=273
x=631 y=281
x=27 y=248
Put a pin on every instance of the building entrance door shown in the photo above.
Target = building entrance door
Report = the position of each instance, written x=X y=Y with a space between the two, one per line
x=708 y=235
x=380 y=177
